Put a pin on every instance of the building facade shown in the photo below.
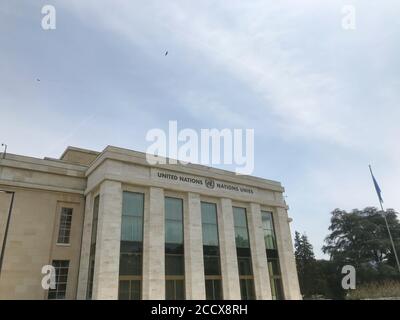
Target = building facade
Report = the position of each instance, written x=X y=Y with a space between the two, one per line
x=115 y=227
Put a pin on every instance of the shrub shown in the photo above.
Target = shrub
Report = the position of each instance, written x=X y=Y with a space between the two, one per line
x=376 y=290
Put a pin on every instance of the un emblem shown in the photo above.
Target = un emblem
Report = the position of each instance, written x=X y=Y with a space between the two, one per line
x=210 y=184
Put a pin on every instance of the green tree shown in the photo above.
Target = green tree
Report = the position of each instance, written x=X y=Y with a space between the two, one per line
x=309 y=275
x=360 y=238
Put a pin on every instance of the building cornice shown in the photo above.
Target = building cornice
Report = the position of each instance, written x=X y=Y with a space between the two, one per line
x=139 y=158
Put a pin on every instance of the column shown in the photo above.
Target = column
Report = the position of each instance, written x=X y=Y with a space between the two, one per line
x=194 y=265
x=85 y=248
x=286 y=256
x=106 y=269
x=229 y=265
x=154 y=246
x=258 y=254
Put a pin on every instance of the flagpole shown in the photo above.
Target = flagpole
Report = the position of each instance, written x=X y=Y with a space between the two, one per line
x=387 y=224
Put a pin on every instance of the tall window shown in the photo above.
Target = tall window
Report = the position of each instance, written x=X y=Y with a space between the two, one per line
x=272 y=255
x=130 y=263
x=92 y=255
x=174 y=250
x=243 y=254
x=61 y=267
x=211 y=255
x=65 y=226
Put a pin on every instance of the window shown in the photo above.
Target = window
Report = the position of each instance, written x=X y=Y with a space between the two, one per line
x=129 y=290
x=130 y=262
x=211 y=255
x=92 y=254
x=269 y=232
x=65 y=226
x=272 y=255
x=174 y=250
x=61 y=267
x=213 y=289
x=174 y=289
x=241 y=232
x=243 y=254
x=247 y=288
x=275 y=279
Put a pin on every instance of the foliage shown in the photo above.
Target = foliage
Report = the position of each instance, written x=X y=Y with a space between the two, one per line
x=309 y=274
x=376 y=290
x=358 y=238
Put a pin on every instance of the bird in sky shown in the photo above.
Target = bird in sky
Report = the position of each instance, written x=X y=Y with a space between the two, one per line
x=166 y=53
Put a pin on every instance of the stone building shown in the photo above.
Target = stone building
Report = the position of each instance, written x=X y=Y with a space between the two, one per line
x=115 y=227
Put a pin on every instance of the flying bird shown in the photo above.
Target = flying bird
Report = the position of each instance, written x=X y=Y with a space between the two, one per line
x=37 y=79
x=166 y=53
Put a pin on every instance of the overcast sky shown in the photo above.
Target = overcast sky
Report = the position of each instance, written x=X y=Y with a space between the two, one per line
x=323 y=101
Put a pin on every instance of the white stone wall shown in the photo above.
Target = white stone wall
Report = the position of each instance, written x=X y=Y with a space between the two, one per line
x=154 y=246
x=229 y=264
x=258 y=254
x=85 y=249
x=194 y=266
x=106 y=269
x=286 y=257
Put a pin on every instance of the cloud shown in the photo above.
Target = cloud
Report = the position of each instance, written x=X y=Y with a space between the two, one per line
x=323 y=101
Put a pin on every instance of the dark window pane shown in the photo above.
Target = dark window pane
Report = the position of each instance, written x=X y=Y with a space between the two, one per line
x=276 y=288
x=123 y=290
x=61 y=268
x=217 y=289
x=213 y=289
x=244 y=264
x=92 y=255
x=209 y=290
x=247 y=289
x=174 y=248
x=175 y=290
x=170 y=290
x=174 y=265
x=96 y=204
x=212 y=265
x=275 y=279
x=65 y=225
x=180 y=289
x=136 y=289
x=273 y=267
x=130 y=264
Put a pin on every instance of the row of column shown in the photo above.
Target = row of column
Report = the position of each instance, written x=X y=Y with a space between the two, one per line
x=106 y=271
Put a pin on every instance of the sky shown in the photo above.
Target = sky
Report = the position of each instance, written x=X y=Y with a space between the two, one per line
x=322 y=99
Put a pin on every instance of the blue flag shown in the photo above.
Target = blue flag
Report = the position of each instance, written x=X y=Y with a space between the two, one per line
x=378 y=190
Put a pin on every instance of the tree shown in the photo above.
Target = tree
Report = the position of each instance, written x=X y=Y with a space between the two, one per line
x=306 y=266
x=360 y=238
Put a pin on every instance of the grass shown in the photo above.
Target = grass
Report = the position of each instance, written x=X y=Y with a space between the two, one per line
x=376 y=290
